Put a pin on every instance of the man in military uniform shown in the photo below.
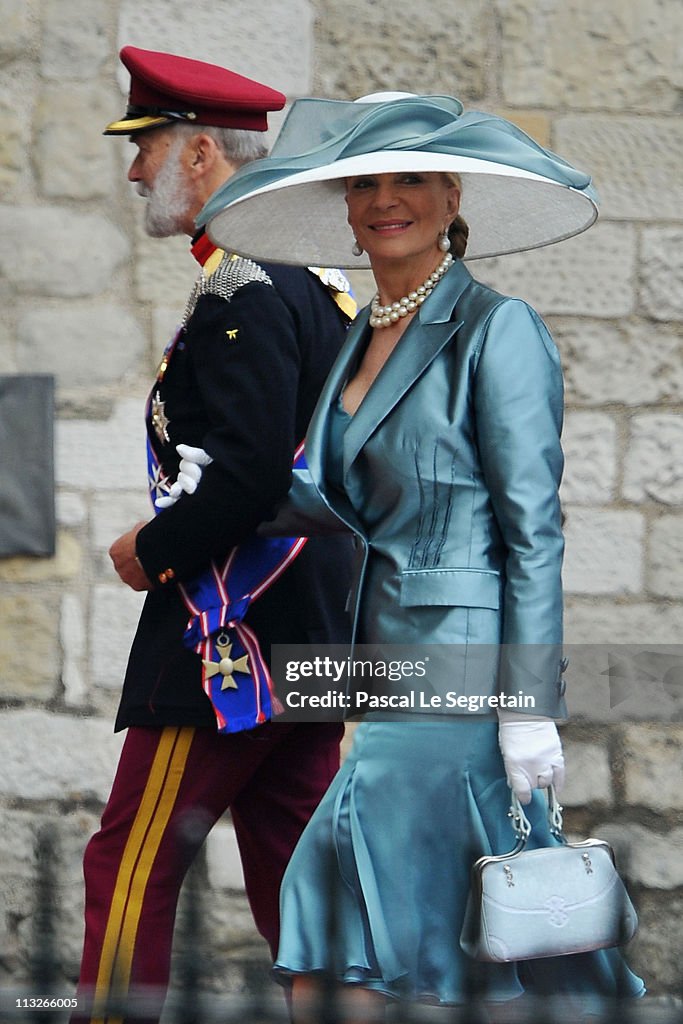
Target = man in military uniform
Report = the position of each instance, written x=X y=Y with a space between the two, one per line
x=240 y=380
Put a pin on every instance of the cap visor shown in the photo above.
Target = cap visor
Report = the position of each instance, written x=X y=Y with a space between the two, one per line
x=134 y=124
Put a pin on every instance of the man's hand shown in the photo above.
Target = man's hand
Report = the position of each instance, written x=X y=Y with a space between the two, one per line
x=122 y=554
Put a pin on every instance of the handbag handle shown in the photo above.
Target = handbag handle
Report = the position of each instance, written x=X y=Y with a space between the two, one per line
x=521 y=824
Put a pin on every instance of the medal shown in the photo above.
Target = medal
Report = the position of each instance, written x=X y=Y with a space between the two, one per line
x=226 y=666
x=160 y=420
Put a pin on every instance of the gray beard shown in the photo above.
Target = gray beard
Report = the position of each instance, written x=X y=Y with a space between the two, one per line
x=168 y=201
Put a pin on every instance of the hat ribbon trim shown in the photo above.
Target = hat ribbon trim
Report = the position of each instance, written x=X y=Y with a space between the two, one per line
x=429 y=128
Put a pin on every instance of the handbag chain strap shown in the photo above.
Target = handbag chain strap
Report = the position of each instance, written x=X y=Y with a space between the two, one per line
x=522 y=826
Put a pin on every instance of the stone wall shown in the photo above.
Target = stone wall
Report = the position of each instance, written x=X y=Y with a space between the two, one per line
x=88 y=298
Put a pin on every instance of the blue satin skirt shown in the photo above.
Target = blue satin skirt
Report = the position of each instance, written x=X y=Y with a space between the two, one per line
x=375 y=892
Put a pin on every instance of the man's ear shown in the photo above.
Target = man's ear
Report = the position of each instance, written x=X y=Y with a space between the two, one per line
x=202 y=156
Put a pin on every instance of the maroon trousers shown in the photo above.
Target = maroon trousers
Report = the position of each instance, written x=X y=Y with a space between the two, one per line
x=171 y=786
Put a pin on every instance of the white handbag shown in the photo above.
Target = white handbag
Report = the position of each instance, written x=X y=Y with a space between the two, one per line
x=548 y=902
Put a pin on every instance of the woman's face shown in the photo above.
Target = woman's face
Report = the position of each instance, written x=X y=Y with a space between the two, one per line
x=400 y=214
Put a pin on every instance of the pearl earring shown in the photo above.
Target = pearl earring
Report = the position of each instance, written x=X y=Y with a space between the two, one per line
x=357 y=248
x=444 y=242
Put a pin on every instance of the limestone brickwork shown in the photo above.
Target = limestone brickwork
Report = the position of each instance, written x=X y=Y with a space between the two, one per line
x=87 y=297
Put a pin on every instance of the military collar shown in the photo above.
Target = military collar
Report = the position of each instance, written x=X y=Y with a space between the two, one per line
x=202 y=247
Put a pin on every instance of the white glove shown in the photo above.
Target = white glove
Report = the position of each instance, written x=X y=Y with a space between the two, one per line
x=192 y=464
x=532 y=754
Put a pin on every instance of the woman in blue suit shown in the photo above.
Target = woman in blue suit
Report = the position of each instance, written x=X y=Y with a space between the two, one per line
x=437 y=442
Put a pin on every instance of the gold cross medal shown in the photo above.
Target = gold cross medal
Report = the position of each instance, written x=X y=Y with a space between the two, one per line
x=225 y=666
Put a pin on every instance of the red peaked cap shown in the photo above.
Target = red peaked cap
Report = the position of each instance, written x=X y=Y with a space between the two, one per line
x=165 y=88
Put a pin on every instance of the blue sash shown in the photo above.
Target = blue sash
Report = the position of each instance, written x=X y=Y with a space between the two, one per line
x=235 y=676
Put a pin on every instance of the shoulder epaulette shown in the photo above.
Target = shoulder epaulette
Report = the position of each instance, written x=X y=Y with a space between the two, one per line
x=339 y=288
x=223 y=274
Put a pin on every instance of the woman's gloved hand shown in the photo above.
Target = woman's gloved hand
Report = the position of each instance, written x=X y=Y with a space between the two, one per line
x=532 y=753
x=193 y=461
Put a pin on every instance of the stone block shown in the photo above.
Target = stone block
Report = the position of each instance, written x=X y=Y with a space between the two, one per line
x=651 y=148
x=223 y=861
x=18 y=84
x=72 y=832
x=629 y=363
x=653 y=466
x=18 y=29
x=17 y=853
x=604 y=552
x=662 y=271
x=239 y=42
x=599 y=621
x=653 y=765
x=165 y=322
x=164 y=269
x=82 y=444
x=115 y=614
x=645 y=857
x=17 y=842
x=71 y=509
x=42 y=251
x=665 y=552
x=65 y=170
x=629 y=47
x=112 y=517
x=588 y=774
x=7 y=334
x=75 y=35
x=381 y=51
x=535 y=123
x=68 y=835
x=56 y=757
x=65 y=564
x=72 y=632
x=29 y=647
x=12 y=147
x=589 y=440
x=589 y=275
x=655 y=950
x=56 y=339
x=232 y=927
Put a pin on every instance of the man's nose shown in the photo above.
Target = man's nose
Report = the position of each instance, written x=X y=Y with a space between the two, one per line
x=133 y=171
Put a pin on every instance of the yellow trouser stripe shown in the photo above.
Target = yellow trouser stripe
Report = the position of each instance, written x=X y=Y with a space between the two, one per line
x=143 y=843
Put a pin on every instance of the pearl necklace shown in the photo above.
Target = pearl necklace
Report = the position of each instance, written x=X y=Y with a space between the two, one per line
x=385 y=316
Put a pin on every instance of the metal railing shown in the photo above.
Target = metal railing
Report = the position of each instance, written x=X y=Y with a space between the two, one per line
x=190 y=1002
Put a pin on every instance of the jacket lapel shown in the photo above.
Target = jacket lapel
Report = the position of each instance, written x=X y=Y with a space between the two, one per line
x=430 y=330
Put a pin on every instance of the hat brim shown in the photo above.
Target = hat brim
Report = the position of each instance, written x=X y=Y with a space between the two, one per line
x=302 y=218
x=131 y=125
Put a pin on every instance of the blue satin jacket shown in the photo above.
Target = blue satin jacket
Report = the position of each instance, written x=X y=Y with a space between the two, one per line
x=451 y=470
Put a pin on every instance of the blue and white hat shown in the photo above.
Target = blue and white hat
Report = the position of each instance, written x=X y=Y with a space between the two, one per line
x=290 y=207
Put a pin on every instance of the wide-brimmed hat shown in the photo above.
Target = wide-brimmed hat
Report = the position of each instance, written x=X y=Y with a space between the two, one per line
x=167 y=89
x=290 y=207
